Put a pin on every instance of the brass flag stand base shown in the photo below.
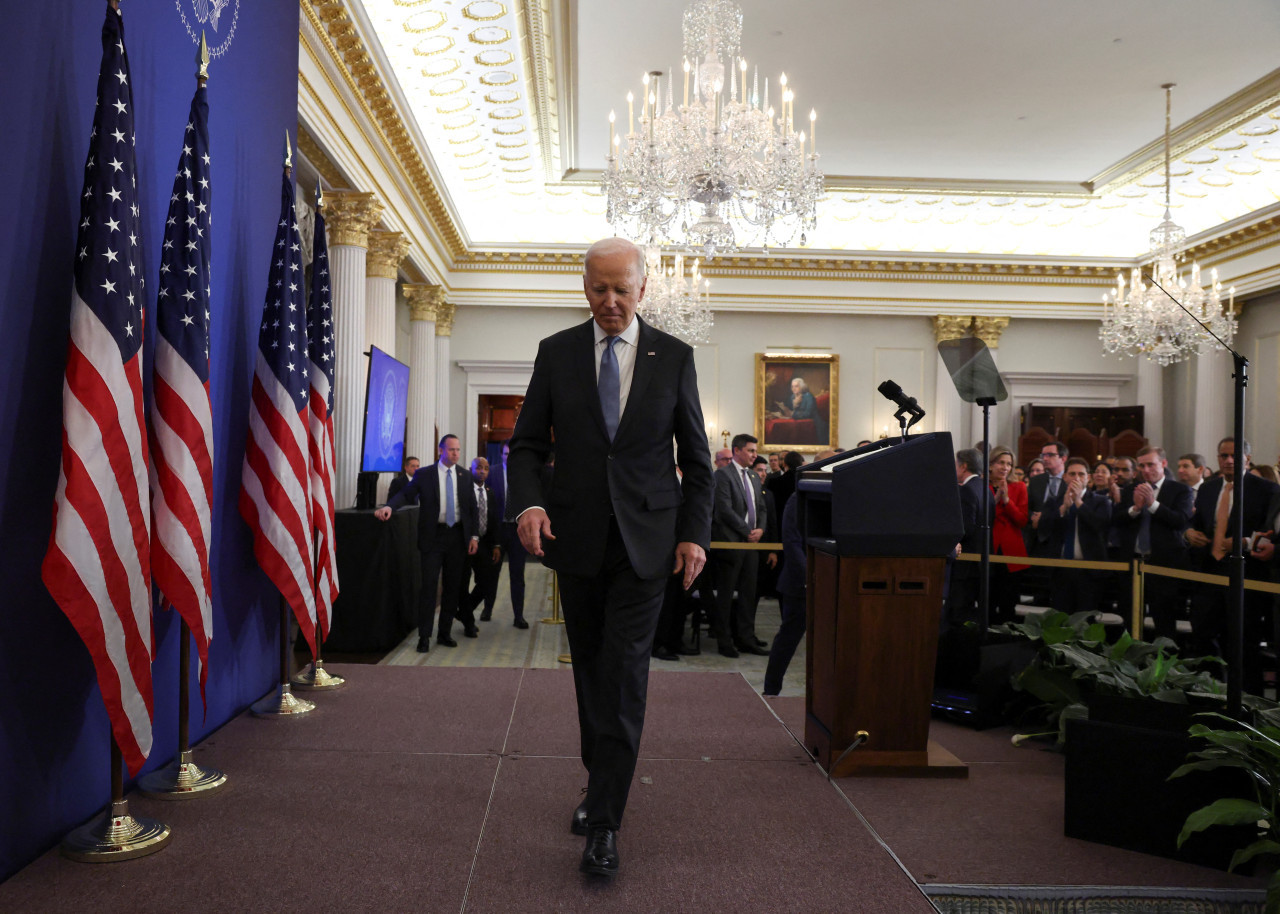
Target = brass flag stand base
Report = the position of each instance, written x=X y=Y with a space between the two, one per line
x=115 y=835
x=282 y=703
x=182 y=780
x=316 y=678
x=555 y=618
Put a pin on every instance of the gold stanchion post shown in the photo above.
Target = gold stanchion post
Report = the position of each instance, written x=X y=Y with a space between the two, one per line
x=114 y=834
x=1139 y=600
x=556 y=617
x=281 y=702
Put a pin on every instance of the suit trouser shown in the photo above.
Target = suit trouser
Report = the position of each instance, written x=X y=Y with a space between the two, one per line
x=515 y=553
x=1076 y=590
x=790 y=634
x=486 y=572
x=443 y=559
x=736 y=569
x=1210 y=625
x=675 y=606
x=610 y=618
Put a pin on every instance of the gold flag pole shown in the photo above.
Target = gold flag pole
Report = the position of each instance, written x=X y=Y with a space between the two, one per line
x=314 y=677
x=114 y=834
x=183 y=779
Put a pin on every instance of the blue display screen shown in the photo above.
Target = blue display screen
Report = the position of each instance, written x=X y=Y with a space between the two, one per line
x=386 y=399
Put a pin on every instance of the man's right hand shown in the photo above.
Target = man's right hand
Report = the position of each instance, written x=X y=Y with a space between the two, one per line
x=532 y=526
x=1196 y=538
x=383 y=513
x=755 y=535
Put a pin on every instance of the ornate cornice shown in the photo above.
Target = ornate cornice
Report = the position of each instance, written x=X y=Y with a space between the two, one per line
x=316 y=156
x=444 y=317
x=541 y=90
x=949 y=327
x=344 y=46
x=349 y=215
x=386 y=250
x=424 y=300
x=1242 y=240
x=988 y=329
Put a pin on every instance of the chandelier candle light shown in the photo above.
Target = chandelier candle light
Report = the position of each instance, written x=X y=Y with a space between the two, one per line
x=1146 y=320
x=672 y=302
x=724 y=166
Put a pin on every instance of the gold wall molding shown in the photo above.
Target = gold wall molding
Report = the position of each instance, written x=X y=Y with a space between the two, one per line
x=312 y=152
x=346 y=50
x=424 y=300
x=445 y=311
x=349 y=215
x=950 y=327
x=386 y=251
x=988 y=329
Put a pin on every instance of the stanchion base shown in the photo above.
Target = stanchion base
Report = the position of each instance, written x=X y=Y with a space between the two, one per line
x=282 y=703
x=565 y=658
x=115 y=835
x=182 y=780
x=551 y=620
x=316 y=678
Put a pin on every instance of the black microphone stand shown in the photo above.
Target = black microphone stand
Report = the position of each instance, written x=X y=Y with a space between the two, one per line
x=984 y=522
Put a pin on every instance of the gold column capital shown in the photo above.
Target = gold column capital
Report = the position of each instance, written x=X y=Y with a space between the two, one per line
x=349 y=215
x=424 y=300
x=444 y=316
x=950 y=327
x=386 y=250
x=988 y=329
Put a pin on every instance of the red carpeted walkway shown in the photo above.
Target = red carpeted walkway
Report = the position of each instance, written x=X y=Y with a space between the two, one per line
x=432 y=789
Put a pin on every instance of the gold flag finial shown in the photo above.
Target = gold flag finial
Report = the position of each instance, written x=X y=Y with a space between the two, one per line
x=202 y=60
x=288 y=152
x=319 y=194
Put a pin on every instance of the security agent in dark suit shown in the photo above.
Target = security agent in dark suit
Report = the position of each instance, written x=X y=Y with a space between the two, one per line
x=1077 y=521
x=1049 y=484
x=615 y=520
x=962 y=592
x=447 y=524
x=1212 y=547
x=509 y=539
x=401 y=479
x=1150 y=520
x=740 y=516
x=485 y=563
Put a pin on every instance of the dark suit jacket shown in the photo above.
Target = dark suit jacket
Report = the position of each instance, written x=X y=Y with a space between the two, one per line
x=792 y=580
x=492 y=535
x=399 y=482
x=1037 y=487
x=727 y=519
x=971 y=511
x=425 y=485
x=497 y=485
x=1258 y=494
x=1167 y=523
x=1093 y=520
x=632 y=477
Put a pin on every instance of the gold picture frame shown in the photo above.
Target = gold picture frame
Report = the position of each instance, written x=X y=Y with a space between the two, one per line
x=816 y=399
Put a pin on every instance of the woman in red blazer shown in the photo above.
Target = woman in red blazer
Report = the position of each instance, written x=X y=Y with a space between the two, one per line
x=1006 y=535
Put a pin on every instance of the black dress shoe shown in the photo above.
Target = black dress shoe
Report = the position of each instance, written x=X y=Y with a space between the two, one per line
x=686 y=651
x=423 y=645
x=471 y=632
x=579 y=823
x=520 y=623
x=600 y=857
x=486 y=615
x=447 y=642
x=760 y=643
x=664 y=653
x=752 y=649
x=727 y=649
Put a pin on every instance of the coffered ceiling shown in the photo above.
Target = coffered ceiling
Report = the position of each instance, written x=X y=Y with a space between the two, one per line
x=992 y=127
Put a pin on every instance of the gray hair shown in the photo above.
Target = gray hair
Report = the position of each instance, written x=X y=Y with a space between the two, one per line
x=614 y=245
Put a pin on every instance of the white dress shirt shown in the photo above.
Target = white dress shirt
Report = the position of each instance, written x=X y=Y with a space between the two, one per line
x=625 y=350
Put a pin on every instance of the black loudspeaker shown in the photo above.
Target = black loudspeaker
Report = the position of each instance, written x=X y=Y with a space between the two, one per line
x=366 y=491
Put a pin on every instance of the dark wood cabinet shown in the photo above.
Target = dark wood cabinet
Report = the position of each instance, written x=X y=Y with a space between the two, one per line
x=1093 y=432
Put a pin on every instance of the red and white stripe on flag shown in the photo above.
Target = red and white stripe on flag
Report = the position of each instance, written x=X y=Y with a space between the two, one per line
x=323 y=460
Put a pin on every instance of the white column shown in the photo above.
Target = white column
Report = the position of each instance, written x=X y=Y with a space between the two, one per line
x=444 y=368
x=423 y=301
x=949 y=412
x=1212 y=416
x=1150 y=396
x=988 y=329
x=348 y=217
x=382 y=267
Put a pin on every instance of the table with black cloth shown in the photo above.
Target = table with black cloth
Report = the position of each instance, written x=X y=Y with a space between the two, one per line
x=379 y=577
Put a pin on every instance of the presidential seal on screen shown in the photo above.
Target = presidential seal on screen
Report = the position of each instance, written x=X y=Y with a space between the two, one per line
x=218 y=16
x=387 y=439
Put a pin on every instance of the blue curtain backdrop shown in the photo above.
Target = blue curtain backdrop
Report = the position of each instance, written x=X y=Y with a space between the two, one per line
x=54 y=738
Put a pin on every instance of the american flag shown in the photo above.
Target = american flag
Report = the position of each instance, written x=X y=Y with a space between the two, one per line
x=275 y=490
x=181 y=421
x=98 y=567
x=321 y=356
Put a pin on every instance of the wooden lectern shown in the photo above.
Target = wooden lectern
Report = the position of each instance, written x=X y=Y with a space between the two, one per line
x=878 y=523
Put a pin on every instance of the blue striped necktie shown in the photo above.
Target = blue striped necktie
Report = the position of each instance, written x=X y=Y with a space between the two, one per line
x=609 y=386
x=450 y=515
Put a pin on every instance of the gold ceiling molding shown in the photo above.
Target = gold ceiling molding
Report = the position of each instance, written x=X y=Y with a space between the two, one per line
x=537 y=45
x=386 y=250
x=338 y=34
x=312 y=152
x=1243 y=240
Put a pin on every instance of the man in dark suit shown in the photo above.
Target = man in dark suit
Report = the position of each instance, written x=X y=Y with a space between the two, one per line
x=962 y=592
x=1076 y=522
x=1217 y=507
x=447 y=525
x=509 y=539
x=486 y=562
x=1150 y=520
x=401 y=479
x=615 y=520
x=1039 y=489
x=740 y=516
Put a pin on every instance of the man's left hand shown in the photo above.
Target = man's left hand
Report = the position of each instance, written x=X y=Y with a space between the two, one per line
x=497 y=555
x=772 y=560
x=472 y=546
x=690 y=558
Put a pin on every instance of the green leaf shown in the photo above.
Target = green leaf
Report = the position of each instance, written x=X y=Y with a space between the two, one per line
x=1227 y=811
x=1095 y=632
x=1070 y=712
x=1210 y=765
x=1053 y=687
x=1172 y=696
x=1121 y=647
x=1268 y=846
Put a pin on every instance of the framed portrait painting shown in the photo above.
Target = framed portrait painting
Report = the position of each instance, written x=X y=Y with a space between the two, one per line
x=797 y=401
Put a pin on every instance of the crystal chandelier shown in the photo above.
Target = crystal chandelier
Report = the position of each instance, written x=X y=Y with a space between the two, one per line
x=672 y=302
x=1145 y=320
x=721 y=170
